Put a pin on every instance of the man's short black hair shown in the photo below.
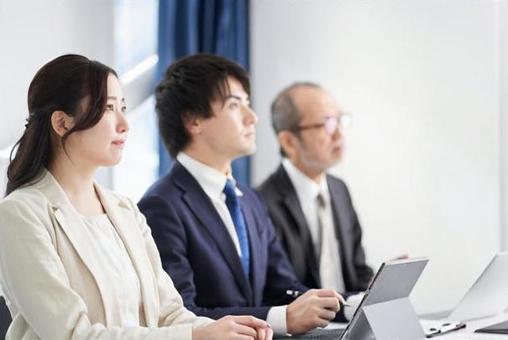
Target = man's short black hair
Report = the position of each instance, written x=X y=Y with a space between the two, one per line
x=189 y=87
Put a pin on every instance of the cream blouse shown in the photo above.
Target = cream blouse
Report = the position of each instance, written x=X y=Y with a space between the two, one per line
x=118 y=266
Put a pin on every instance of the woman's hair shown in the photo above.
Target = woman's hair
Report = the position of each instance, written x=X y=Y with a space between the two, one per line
x=70 y=83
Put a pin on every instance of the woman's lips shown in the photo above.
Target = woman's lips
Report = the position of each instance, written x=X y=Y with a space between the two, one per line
x=120 y=142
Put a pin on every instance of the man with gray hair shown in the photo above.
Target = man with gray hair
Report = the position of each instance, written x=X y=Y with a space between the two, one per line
x=311 y=210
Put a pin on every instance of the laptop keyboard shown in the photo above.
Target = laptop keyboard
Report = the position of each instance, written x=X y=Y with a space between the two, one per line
x=316 y=334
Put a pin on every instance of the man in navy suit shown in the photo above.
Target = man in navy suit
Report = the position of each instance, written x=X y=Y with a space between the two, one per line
x=215 y=237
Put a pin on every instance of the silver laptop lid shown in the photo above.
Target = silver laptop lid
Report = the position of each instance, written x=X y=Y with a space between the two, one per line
x=394 y=280
x=488 y=295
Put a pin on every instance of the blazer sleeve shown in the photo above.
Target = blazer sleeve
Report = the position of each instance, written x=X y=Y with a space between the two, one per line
x=363 y=270
x=280 y=275
x=36 y=284
x=169 y=234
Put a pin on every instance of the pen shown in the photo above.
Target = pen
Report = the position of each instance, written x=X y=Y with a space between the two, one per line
x=293 y=293
x=297 y=293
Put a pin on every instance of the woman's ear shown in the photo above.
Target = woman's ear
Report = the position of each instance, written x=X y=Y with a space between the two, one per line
x=61 y=122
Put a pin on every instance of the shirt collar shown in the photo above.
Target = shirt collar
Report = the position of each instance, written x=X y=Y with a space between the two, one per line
x=304 y=186
x=211 y=181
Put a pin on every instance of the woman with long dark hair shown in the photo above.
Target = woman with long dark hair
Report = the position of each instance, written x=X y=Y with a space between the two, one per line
x=78 y=261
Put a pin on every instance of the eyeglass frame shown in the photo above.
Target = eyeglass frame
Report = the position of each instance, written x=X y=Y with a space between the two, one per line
x=342 y=120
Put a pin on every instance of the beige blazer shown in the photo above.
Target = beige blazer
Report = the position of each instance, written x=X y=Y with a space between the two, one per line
x=52 y=284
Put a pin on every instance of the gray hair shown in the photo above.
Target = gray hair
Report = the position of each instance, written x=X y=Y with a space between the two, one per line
x=285 y=114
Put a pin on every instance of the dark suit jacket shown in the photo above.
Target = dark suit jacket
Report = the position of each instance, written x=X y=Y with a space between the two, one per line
x=5 y=318
x=199 y=255
x=290 y=223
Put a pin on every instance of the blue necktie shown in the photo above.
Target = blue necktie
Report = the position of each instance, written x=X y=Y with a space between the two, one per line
x=235 y=211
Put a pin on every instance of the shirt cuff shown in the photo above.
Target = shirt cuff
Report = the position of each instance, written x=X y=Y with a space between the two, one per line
x=353 y=301
x=277 y=319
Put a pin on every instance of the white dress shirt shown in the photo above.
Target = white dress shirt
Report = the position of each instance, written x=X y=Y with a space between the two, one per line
x=307 y=191
x=213 y=182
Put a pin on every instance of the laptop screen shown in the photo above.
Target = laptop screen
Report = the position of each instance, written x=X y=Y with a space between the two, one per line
x=394 y=280
x=488 y=295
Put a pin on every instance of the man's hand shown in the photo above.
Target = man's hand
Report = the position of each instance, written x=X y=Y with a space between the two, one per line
x=313 y=309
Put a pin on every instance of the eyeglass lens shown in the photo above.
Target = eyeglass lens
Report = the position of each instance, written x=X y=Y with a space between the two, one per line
x=331 y=124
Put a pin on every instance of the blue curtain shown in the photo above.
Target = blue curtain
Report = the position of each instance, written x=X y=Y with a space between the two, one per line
x=212 y=26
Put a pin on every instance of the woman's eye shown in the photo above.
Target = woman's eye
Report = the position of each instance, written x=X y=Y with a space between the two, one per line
x=234 y=105
x=110 y=107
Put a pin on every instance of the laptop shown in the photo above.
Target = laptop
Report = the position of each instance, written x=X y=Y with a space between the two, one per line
x=315 y=334
x=498 y=328
x=393 y=281
x=488 y=296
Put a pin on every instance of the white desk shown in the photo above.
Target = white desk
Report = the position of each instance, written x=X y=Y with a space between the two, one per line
x=463 y=334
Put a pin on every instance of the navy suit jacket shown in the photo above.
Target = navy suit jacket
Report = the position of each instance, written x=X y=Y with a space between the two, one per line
x=199 y=255
x=290 y=223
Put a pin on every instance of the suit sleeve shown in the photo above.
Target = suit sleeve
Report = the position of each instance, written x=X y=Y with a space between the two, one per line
x=363 y=270
x=169 y=233
x=35 y=283
x=280 y=275
x=172 y=310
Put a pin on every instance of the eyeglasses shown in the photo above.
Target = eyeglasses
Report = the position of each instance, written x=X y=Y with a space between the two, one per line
x=330 y=123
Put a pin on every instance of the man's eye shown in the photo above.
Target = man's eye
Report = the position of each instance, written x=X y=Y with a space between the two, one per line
x=233 y=105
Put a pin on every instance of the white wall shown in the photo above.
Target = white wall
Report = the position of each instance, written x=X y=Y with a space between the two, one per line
x=422 y=79
x=34 y=32
x=117 y=33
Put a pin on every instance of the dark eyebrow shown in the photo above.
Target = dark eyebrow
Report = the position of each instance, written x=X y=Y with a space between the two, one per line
x=114 y=98
x=234 y=97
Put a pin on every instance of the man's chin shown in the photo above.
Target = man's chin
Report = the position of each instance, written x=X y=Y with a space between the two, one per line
x=337 y=155
x=247 y=151
x=336 y=159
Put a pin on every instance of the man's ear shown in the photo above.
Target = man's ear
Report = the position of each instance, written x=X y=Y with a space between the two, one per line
x=61 y=122
x=193 y=125
x=287 y=142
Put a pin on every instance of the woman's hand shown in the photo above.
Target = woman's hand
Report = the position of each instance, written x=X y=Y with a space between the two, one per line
x=234 y=328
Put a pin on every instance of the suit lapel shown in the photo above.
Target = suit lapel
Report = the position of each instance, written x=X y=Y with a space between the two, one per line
x=289 y=198
x=290 y=201
x=123 y=219
x=73 y=227
x=340 y=213
x=202 y=207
